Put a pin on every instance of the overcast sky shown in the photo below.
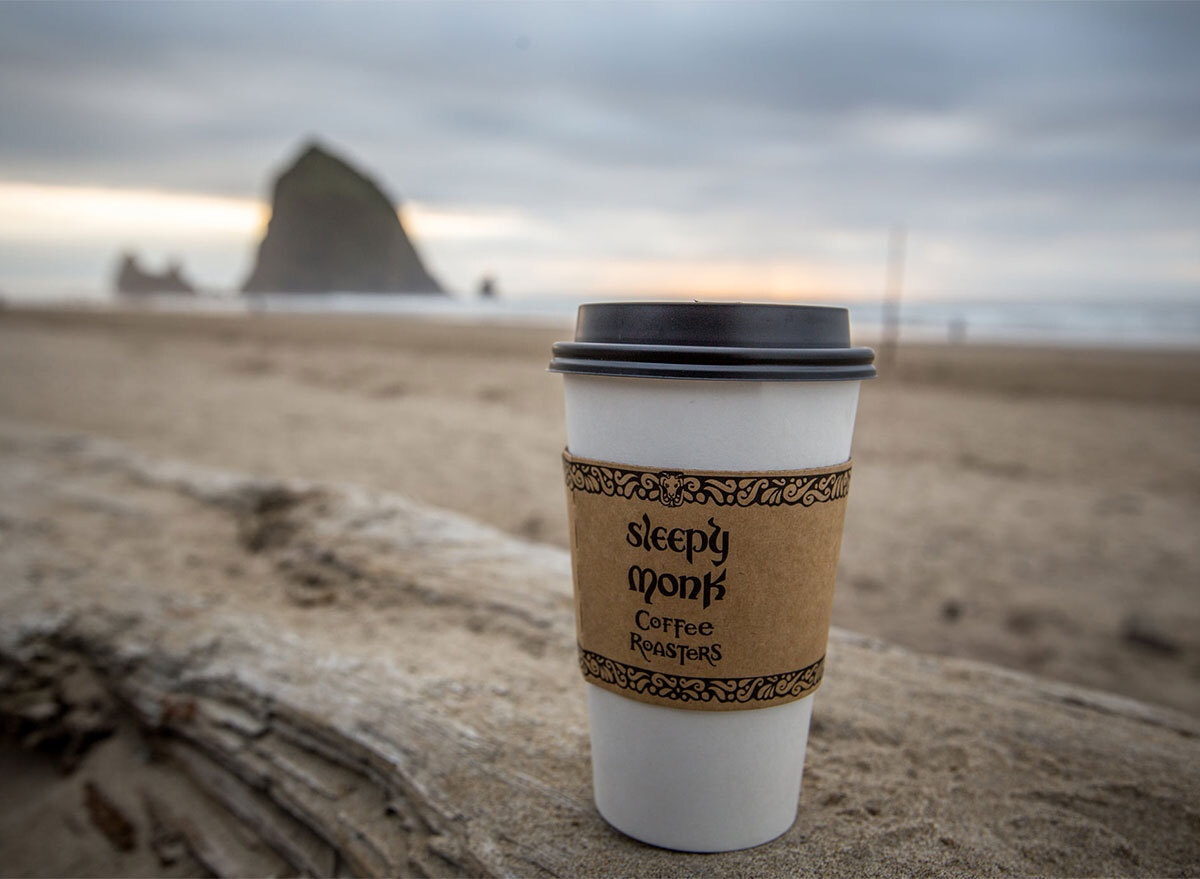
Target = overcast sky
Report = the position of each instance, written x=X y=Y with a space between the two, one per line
x=1033 y=151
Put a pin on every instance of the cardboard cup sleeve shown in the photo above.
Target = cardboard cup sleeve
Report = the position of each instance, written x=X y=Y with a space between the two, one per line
x=704 y=590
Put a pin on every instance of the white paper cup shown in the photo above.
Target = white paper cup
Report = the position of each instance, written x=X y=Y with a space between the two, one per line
x=693 y=780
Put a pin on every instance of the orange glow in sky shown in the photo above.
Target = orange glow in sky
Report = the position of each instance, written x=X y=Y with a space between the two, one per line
x=732 y=279
x=39 y=212
x=426 y=222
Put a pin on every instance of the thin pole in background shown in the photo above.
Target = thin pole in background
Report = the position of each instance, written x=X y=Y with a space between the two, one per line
x=889 y=340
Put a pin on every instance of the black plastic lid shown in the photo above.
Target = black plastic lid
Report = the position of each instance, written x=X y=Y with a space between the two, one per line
x=714 y=340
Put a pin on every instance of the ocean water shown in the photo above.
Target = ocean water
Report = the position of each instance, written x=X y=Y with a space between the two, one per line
x=1125 y=324
x=1153 y=324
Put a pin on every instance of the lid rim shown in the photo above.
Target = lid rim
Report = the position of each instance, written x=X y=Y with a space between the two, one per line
x=721 y=372
x=709 y=353
x=719 y=340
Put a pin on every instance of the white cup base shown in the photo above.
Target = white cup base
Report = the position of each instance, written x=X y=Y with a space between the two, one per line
x=710 y=781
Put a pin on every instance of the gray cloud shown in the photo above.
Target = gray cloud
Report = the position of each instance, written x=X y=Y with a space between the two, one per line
x=994 y=127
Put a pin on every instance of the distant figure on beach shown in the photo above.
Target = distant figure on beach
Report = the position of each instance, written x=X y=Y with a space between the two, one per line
x=487 y=287
x=333 y=230
x=956 y=330
x=131 y=278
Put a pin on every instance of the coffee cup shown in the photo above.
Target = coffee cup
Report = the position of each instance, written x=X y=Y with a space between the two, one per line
x=707 y=467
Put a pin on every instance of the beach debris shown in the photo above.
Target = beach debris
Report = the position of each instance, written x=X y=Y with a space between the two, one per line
x=53 y=704
x=1140 y=632
x=1024 y=620
x=108 y=819
x=952 y=609
x=265 y=516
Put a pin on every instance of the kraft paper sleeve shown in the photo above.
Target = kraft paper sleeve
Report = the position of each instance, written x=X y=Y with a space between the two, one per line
x=700 y=589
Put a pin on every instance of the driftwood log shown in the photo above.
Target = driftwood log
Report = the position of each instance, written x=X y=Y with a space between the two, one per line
x=303 y=679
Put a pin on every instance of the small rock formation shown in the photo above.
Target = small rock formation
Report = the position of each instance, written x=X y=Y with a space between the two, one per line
x=132 y=278
x=333 y=230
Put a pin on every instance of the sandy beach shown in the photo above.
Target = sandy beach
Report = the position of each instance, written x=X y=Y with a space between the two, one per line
x=1030 y=507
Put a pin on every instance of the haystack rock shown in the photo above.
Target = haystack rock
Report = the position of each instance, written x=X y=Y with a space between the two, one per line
x=333 y=229
x=132 y=278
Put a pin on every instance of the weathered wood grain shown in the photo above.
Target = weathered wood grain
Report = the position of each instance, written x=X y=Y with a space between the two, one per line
x=328 y=681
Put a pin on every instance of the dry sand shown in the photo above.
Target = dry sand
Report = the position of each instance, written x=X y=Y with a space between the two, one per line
x=1034 y=508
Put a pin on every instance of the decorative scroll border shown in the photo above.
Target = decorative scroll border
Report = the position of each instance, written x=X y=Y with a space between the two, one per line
x=788 y=685
x=673 y=488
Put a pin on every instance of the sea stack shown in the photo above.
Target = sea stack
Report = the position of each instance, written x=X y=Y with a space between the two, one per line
x=332 y=229
x=131 y=278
